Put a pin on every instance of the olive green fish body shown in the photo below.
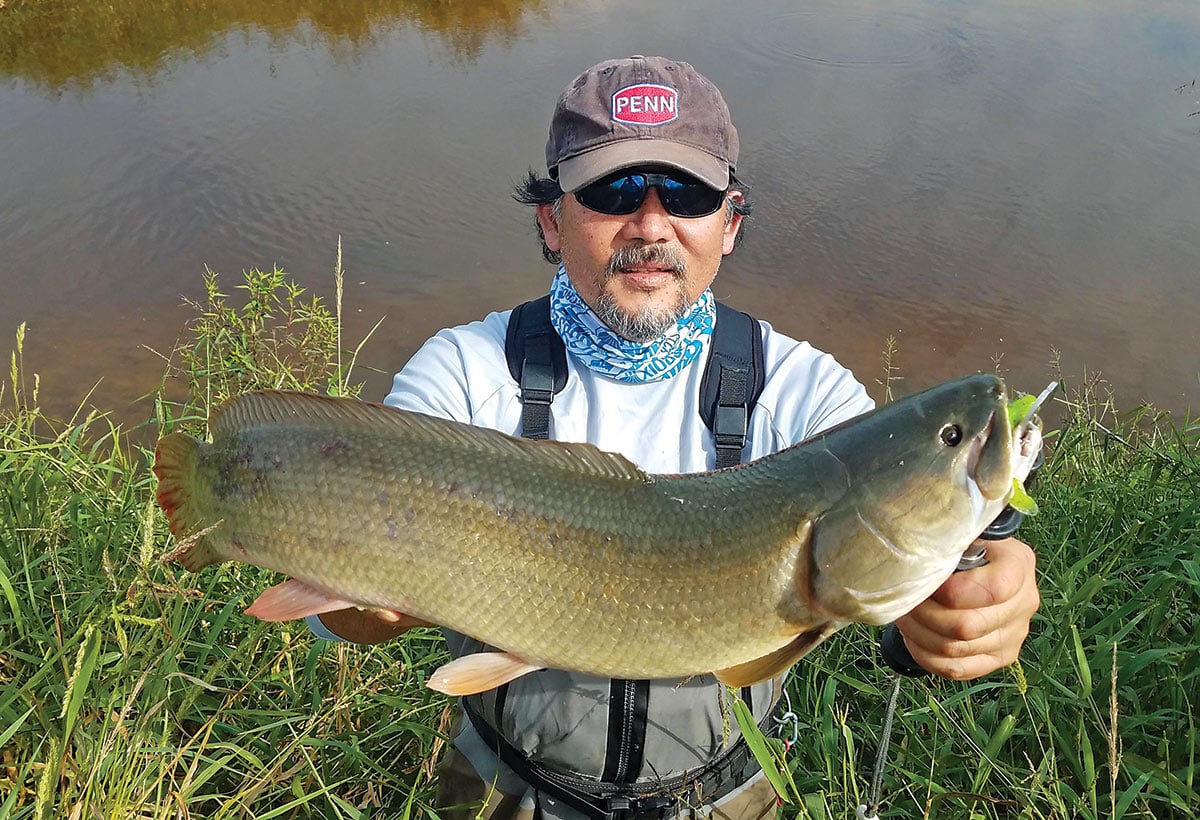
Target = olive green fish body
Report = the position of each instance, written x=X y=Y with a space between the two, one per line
x=573 y=558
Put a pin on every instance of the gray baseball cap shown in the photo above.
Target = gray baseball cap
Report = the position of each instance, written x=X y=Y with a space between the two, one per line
x=641 y=111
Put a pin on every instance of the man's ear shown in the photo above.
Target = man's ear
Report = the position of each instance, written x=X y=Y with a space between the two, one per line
x=734 y=224
x=550 y=232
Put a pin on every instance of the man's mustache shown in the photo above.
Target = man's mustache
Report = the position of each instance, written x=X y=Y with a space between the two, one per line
x=665 y=256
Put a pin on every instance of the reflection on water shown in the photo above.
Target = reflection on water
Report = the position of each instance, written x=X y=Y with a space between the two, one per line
x=56 y=44
x=984 y=182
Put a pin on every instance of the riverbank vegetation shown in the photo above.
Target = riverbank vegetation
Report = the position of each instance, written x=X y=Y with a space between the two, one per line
x=131 y=688
x=72 y=44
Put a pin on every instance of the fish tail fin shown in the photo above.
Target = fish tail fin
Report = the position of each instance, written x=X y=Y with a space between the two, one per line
x=175 y=468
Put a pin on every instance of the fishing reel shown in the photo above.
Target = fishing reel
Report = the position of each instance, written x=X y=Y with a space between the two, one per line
x=891 y=644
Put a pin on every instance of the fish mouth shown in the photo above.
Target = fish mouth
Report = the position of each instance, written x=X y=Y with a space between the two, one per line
x=989 y=461
x=997 y=457
x=976 y=446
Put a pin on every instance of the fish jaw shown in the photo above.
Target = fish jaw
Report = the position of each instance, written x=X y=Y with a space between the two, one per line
x=989 y=465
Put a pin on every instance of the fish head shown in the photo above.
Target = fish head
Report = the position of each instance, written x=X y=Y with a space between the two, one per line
x=923 y=477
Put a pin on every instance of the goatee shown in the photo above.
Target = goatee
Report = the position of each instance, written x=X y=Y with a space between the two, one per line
x=649 y=323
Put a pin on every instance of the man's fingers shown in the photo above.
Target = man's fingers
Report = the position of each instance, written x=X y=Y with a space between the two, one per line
x=934 y=626
x=978 y=620
x=1010 y=565
x=954 y=668
x=960 y=659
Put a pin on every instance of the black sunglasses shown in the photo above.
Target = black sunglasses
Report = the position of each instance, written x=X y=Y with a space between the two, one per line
x=625 y=191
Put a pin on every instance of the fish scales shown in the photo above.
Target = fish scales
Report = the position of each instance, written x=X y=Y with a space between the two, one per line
x=573 y=558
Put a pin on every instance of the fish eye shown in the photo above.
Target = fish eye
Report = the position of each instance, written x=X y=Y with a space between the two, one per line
x=951 y=435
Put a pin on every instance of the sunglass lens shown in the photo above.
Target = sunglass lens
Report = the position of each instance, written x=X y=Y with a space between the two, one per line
x=690 y=198
x=615 y=195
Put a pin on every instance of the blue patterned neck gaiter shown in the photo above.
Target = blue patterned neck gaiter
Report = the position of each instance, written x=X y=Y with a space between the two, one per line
x=592 y=342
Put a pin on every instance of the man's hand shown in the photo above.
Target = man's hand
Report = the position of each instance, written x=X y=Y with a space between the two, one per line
x=976 y=622
x=369 y=626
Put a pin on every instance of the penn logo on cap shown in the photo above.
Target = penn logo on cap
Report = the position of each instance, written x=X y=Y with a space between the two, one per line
x=645 y=104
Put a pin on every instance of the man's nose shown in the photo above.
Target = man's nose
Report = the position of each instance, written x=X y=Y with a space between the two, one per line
x=650 y=222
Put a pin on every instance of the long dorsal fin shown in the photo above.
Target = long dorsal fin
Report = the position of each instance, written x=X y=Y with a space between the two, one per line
x=267 y=407
x=770 y=665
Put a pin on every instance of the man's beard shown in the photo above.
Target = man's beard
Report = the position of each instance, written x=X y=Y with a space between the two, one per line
x=649 y=323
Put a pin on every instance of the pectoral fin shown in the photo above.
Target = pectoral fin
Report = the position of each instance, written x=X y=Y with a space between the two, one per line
x=480 y=672
x=293 y=599
x=768 y=666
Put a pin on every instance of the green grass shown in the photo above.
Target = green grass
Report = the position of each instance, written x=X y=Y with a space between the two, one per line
x=130 y=688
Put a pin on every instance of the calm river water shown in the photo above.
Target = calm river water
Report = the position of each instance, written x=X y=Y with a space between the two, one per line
x=1006 y=181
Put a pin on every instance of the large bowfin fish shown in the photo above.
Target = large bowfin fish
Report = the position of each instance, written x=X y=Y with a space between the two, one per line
x=561 y=555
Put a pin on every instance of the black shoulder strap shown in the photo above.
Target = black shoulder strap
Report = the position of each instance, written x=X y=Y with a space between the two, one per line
x=537 y=360
x=733 y=380
x=733 y=375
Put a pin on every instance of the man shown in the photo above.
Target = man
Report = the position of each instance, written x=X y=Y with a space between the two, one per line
x=640 y=206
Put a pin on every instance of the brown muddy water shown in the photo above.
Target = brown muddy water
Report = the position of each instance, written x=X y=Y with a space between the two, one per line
x=1007 y=181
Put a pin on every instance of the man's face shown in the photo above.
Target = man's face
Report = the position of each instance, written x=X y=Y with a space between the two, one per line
x=639 y=272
